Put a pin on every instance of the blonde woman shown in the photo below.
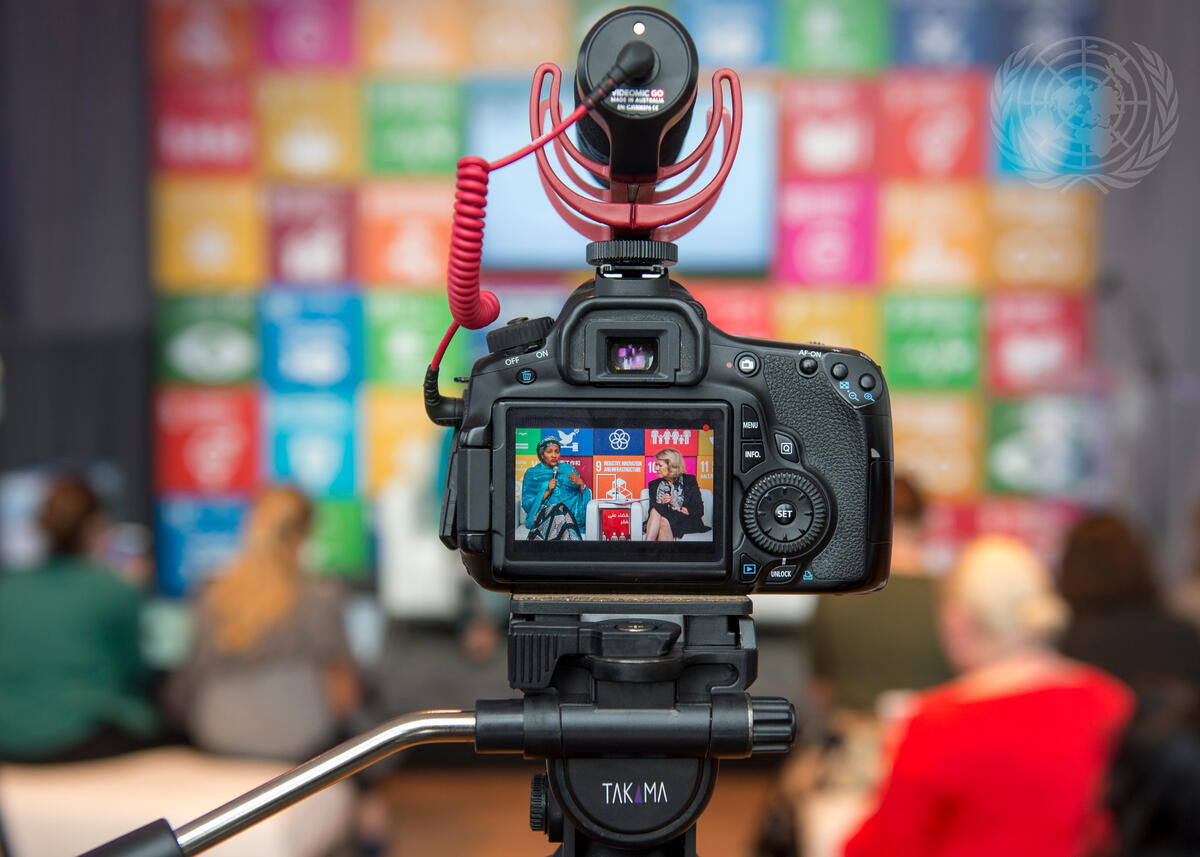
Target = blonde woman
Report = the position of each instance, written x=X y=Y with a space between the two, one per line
x=1010 y=757
x=676 y=505
x=270 y=673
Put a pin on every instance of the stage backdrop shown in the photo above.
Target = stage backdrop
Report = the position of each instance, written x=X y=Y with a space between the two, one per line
x=301 y=190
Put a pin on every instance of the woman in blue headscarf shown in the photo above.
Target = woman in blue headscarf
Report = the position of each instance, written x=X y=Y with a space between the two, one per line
x=554 y=497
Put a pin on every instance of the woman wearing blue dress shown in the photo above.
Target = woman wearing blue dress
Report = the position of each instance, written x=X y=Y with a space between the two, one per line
x=554 y=497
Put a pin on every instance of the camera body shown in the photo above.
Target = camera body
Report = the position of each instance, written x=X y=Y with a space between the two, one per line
x=783 y=452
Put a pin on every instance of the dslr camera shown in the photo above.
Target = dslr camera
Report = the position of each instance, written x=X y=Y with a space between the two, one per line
x=768 y=465
x=629 y=446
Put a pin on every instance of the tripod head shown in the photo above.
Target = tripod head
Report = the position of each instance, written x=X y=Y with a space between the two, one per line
x=631 y=703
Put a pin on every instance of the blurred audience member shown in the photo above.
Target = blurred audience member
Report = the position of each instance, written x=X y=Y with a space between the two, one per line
x=72 y=679
x=1010 y=757
x=1155 y=785
x=270 y=672
x=1185 y=600
x=1118 y=620
x=862 y=646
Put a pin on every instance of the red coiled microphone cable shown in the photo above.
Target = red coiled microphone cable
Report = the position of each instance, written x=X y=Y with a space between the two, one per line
x=471 y=307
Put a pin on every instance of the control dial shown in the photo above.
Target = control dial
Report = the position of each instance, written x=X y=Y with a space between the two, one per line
x=785 y=513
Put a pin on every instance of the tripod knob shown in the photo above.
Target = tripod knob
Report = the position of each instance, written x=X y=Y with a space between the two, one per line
x=772 y=724
x=539 y=790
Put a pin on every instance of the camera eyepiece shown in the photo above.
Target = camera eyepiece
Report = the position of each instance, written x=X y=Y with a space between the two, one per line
x=641 y=125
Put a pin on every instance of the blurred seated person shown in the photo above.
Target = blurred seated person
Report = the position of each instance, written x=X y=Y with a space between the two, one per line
x=864 y=645
x=270 y=672
x=1118 y=620
x=1154 y=787
x=1185 y=598
x=1010 y=757
x=554 y=496
x=676 y=506
x=72 y=678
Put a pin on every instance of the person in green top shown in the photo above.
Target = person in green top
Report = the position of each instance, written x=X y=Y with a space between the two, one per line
x=72 y=679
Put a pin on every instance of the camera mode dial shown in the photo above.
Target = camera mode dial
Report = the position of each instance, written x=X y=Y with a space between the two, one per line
x=785 y=513
x=520 y=334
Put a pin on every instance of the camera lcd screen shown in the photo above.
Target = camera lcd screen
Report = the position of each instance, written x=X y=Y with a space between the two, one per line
x=644 y=482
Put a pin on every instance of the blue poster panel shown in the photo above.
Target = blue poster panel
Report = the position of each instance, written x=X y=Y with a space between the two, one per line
x=311 y=341
x=195 y=537
x=311 y=437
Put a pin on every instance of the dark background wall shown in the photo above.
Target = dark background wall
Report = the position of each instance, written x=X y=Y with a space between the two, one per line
x=75 y=304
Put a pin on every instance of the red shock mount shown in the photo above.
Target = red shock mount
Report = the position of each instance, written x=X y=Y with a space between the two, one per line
x=635 y=210
x=620 y=210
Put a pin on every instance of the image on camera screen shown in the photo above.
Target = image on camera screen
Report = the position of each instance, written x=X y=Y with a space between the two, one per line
x=615 y=483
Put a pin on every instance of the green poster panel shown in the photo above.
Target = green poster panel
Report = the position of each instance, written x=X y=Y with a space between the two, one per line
x=585 y=13
x=339 y=539
x=414 y=127
x=834 y=35
x=207 y=339
x=932 y=342
x=403 y=331
x=526 y=441
x=1048 y=445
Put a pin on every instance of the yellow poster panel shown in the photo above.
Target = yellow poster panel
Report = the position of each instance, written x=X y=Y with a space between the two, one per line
x=516 y=35
x=400 y=441
x=413 y=35
x=404 y=232
x=934 y=235
x=704 y=471
x=309 y=126
x=939 y=443
x=844 y=320
x=1043 y=238
x=208 y=234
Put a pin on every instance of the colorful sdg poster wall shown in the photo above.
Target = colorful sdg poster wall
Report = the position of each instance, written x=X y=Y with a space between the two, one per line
x=302 y=180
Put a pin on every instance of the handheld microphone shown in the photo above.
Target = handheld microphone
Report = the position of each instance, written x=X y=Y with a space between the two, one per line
x=640 y=126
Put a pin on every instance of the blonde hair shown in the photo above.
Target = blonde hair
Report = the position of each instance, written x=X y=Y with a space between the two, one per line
x=673 y=459
x=1007 y=592
x=260 y=587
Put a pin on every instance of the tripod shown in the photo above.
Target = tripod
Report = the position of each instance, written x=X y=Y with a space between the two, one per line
x=630 y=701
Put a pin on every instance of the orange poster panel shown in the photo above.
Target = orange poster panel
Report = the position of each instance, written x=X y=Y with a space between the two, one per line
x=400 y=441
x=516 y=35
x=413 y=35
x=934 y=235
x=1043 y=238
x=309 y=126
x=201 y=37
x=844 y=320
x=939 y=442
x=207 y=234
x=618 y=477
x=404 y=230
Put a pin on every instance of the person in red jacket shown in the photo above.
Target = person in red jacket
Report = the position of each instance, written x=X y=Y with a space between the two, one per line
x=1011 y=757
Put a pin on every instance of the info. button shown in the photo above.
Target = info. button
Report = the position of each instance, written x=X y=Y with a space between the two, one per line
x=781 y=574
x=753 y=454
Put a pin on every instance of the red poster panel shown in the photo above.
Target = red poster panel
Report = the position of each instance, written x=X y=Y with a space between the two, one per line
x=203 y=126
x=1037 y=342
x=740 y=309
x=949 y=525
x=201 y=37
x=207 y=440
x=827 y=127
x=932 y=124
x=684 y=441
x=1041 y=524
x=312 y=234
